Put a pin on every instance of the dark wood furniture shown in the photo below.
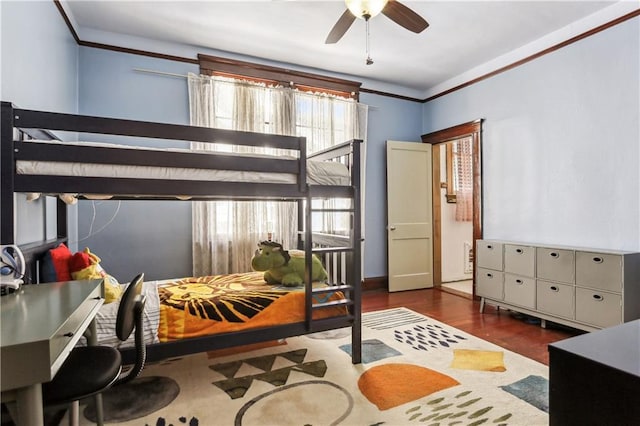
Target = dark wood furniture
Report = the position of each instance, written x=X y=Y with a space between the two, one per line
x=20 y=125
x=594 y=379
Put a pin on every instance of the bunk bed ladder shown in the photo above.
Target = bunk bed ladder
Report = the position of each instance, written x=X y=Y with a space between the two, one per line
x=341 y=256
x=333 y=253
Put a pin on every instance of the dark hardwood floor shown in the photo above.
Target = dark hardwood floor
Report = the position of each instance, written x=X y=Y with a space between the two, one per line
x=507 y=329
x=510 y=331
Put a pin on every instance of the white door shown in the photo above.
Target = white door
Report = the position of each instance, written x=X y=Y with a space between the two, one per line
x=409 y=212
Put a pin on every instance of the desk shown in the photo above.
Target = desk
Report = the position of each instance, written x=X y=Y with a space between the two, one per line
x=40 y=326
x=594 y=378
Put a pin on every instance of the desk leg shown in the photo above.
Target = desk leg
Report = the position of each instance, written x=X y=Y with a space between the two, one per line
x=92 y=340
x=29 y=401
x=92 y=336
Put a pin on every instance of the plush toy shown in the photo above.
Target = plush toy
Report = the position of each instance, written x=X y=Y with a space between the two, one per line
x=86 y=266
x=285 y=267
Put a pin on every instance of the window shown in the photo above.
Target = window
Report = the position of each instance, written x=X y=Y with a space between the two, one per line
x=459 y=168
x=225 y=233
x=459 y=161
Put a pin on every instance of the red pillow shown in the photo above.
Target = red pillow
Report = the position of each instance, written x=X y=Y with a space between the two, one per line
x=61 y=256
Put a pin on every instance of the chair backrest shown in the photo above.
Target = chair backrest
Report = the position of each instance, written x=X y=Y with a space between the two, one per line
x=126 y=321
x=130 y=316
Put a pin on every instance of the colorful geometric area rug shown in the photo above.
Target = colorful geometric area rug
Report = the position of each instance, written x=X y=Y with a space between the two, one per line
x=414 y=371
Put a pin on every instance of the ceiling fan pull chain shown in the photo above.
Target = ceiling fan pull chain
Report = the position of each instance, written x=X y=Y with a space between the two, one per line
x=369 y=61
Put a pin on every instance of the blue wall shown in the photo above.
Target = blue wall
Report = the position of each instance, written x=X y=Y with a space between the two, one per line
x=39 y=70
x=39 y=57
x=389 y=119
x=561 y=143
x=153 y=237
x=156 y=236
x=560 y=158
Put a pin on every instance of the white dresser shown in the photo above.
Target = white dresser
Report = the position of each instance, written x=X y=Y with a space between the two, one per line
x=583 y=288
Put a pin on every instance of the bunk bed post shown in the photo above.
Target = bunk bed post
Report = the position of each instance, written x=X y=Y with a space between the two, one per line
x=356 y=238
x=308 y=246
x=300 y=241
x=6 y=175
x=308 y=253
x=61 y=220
x=302 y=178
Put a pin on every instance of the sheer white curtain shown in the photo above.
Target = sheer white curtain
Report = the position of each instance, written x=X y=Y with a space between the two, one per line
x=326 y=121
x=225 y=233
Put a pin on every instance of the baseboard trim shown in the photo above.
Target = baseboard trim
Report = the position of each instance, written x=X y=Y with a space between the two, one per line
x=375 y=283
x=456 y=292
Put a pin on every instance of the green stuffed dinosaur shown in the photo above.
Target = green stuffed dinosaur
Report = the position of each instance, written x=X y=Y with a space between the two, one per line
x=285 y=267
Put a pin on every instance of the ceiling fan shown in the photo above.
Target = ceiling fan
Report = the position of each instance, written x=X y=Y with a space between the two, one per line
x=367 y=9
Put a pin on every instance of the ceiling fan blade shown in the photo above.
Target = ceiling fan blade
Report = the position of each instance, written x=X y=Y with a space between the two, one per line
x=340 y=28
x=405 y=17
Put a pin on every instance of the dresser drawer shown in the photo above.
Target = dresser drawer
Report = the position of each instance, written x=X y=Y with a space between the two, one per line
x=599 y=271
x=555 y=299
x=489 y=255
x=520 y=291
x=555 y=265
x=598 y=308
x=490 y=284
x=519 y=260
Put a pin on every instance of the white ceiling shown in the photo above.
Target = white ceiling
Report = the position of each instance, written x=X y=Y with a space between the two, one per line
x=464 y=37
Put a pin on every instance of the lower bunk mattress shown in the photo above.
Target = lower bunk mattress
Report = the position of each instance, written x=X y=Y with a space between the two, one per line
x=201 y=306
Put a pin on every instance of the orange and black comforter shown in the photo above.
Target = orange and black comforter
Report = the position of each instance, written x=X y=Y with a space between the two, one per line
x=201 y=306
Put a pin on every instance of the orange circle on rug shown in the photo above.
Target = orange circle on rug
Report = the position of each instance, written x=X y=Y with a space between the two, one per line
x=390 y=385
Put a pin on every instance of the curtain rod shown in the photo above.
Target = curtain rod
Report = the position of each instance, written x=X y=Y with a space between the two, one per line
x=168 y=74
x=171 y=74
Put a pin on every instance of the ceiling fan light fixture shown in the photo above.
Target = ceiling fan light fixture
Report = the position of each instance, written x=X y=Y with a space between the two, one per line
x=365 y=9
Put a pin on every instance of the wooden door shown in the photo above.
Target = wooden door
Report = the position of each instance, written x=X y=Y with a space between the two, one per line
x=409 y=212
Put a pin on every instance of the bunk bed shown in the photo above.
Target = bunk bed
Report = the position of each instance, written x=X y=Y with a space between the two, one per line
x=30 y=141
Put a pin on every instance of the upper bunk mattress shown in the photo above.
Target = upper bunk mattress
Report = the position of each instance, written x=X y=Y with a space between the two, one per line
x=318 y=172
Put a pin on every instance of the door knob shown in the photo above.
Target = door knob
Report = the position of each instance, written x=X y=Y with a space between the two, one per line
x=392 y=228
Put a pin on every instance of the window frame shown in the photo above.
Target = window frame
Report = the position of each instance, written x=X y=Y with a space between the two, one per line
x=303 y=81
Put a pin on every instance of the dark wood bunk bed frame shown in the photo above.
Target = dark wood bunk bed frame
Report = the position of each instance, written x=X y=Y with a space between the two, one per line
x=18 y=124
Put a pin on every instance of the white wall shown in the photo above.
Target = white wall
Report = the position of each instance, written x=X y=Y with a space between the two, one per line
x=561 y=143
